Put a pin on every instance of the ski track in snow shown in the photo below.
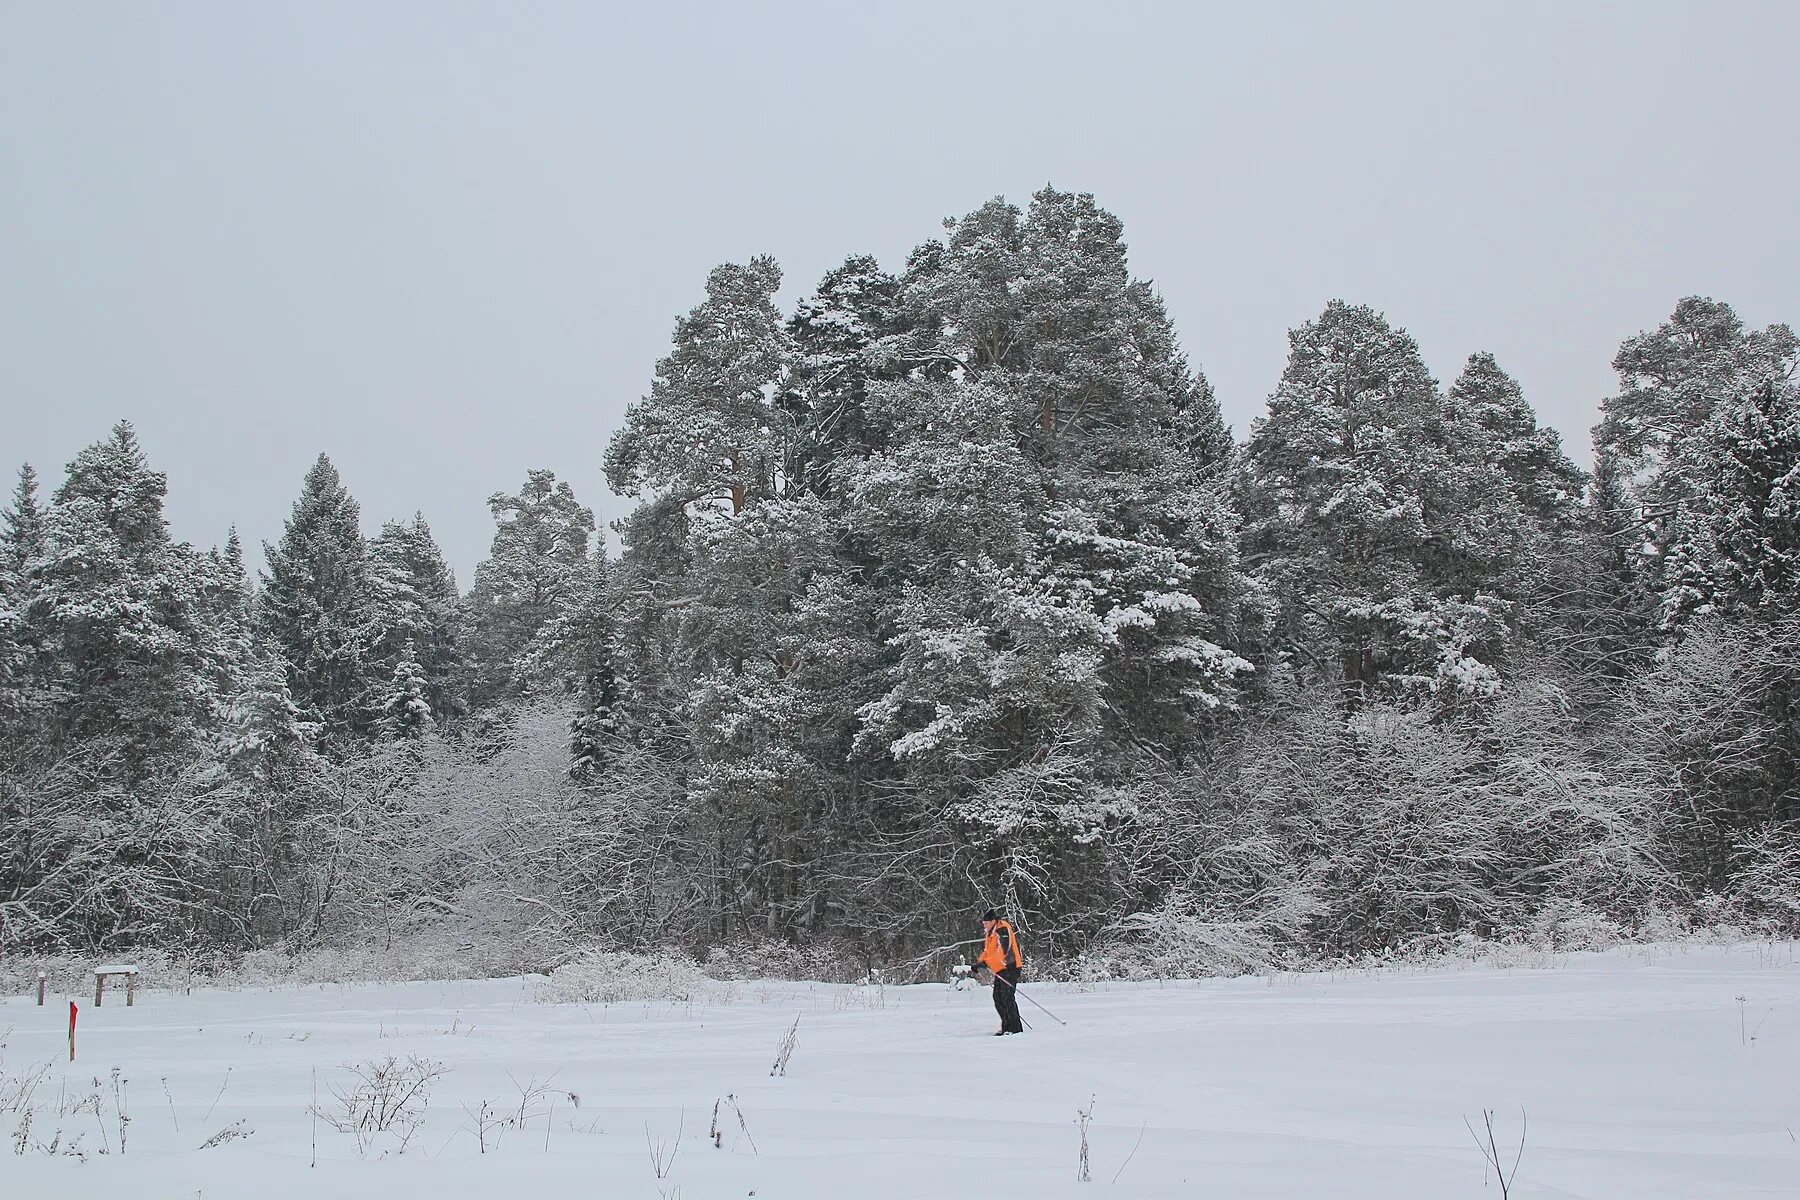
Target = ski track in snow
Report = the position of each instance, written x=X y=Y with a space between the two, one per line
x=1632 y=1066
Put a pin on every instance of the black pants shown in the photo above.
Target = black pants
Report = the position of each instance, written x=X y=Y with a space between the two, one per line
x=1006 y=1002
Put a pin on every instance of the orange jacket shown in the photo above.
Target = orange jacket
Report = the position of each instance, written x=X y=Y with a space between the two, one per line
x=1002 y=949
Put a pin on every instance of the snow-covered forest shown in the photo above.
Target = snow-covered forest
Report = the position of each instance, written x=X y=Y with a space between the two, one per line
x=951 y=588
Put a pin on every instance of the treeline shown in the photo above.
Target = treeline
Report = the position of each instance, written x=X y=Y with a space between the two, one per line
x=952 y=588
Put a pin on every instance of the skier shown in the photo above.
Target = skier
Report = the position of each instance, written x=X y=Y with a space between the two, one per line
x=1001 y=955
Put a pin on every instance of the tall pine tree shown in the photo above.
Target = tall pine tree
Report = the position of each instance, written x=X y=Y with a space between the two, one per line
x=537 y=568
x=1674 y=381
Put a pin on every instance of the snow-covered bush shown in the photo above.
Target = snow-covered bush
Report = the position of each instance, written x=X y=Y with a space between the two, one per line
x=1188 y=949
x=425 y=954
x=821 y=962
x=1568 y=924
x=1767 y=883
x=610 y=976
x=1333 y=832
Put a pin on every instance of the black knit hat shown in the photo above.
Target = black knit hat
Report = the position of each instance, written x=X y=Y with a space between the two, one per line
x=990 y=915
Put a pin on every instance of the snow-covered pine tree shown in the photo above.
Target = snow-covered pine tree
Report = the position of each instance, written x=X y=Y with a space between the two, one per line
x=1047 y=499
x=647 y=587
x=727 y=592
x=1673 y=381
x=572 y=655
x=316 y=607
x=416 y=600
x=1502 y=503
x=537 y=568
x=1350 y=486
x=844 y=338
x=1506 y=434
x=708 y=430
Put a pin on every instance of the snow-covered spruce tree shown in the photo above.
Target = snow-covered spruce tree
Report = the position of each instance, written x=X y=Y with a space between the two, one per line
x=24 y=691
x=277 y=816
x=537 y=567
x=1673 y=382
x=117 y=604
x=416 y=600
x=268 y=736
x=226 y=613
x=1735 y=545
x=316 y=607
x=21 y=526
x=406 y=713
x=109 y=805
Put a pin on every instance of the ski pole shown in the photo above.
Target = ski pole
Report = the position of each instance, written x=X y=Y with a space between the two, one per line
x=1040 y=1007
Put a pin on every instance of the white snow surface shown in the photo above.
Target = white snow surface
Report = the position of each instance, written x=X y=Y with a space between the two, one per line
x=1668 y=1071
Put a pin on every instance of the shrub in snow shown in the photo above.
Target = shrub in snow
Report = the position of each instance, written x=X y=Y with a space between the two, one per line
x=1187 y=938
x=382 y=1103
x=429 y=953
x=1566 y=924
x=821 y=962
x=1768 y=879
x=609 y=976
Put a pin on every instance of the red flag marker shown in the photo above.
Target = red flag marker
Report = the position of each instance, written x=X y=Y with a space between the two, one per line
x=72 y=1011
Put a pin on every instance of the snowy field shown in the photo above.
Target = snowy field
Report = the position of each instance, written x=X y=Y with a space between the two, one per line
x=1672 y=1072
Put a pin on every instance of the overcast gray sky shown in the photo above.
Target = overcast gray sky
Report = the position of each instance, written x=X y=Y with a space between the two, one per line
x=446 y=243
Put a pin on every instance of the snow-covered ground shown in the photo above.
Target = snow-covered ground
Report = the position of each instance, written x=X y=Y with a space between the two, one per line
x=1672 y=1072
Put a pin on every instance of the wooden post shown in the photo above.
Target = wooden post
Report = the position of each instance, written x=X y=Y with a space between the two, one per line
x=131 y=989
x=73 y=1011
x=99 y=987
x=40 y=989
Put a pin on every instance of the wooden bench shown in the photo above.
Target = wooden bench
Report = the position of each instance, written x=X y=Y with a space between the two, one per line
x=102 y=974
